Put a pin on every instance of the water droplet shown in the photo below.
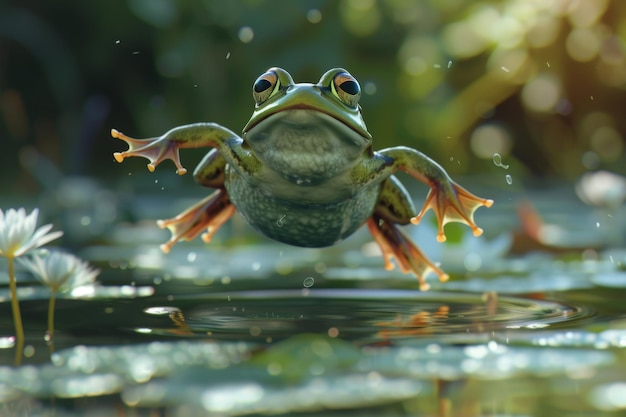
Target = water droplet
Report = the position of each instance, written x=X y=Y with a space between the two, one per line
x=256 y=266
x=437 y=66
x=497 y=161
x=308 y=282
x=117 y=42
x=279 y=222
x=509 y=179
x=598 y=224
x=191 y=257
x=505 y=69
x=228 y=55
x=449 y=64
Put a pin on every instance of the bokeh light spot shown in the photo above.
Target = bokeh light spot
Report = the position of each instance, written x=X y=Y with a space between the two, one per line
x=462 y=41
x=582 y=44
x=543 y=32
x=489 y=139
x=361 y=17
x=607 y=143
x=246 y=34
x=585 y=13
x=314 y=16
x=542 y=93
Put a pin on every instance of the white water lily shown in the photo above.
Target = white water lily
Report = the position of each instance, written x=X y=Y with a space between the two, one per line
x=60 y=271
x=18 y=235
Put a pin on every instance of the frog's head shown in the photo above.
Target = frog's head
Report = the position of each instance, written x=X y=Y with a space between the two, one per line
x=307 y=132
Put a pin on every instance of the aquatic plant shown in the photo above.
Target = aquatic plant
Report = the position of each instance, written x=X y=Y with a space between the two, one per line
x=18 y=236
x=60 y=272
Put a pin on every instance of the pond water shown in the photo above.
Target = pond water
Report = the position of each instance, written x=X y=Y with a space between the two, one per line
x=522 y=328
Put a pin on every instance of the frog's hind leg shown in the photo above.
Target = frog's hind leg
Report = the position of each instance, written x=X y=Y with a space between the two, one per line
x=210 y=171
x=395 y=207
x=210 y=213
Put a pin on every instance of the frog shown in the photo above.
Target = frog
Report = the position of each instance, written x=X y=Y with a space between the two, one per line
x=304 y=172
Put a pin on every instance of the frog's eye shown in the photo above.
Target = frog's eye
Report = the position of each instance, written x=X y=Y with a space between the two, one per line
x=265 y=86
x=346 y=88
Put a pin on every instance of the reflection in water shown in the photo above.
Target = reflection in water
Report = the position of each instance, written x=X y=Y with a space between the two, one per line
x=416 y=324
x=267 y=316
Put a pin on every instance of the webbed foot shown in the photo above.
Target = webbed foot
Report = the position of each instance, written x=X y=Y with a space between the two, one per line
x=452 y=203
x=156 y=150
x=394 y=244
x=210 y=214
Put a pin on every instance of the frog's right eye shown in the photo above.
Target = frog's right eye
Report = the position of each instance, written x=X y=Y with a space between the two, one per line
x=265 y=87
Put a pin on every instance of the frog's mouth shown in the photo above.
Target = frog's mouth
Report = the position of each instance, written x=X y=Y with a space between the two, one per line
x=346 y=121
x=303 y=125
x=305 y=143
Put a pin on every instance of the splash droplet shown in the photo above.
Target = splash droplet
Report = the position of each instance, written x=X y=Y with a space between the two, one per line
x=509 y=179
x=497 y=161
x=279 y=222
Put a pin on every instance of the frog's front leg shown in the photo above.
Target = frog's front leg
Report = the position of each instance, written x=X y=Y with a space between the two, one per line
x=395 y=207
x=197 y=135
x=449 y=201
x=210 y=213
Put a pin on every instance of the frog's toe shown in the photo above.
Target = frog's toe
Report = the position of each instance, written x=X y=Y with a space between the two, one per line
x=182 y=227
x=217 y=220
x=455 y=205
x=394 y=244
x=208 y=214
x=166 y=247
